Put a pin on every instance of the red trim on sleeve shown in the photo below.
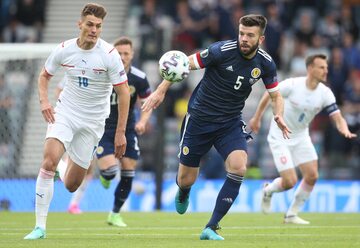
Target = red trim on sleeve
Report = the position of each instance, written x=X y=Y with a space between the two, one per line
x=123 y=82
x=47 y=72
x=112 y=50
x=271 y=86
x=199 y=60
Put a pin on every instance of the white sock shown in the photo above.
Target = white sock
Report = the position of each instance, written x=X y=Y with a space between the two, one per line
x=274 y=186
x=302 y=194
x=61 y=168
x=43 y=196
x=79 y=193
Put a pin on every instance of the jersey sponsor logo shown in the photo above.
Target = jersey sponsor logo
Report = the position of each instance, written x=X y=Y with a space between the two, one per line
x=255 y=73
x=230 y=68
x=99 y=150
x=204 y=53
x=185 y=150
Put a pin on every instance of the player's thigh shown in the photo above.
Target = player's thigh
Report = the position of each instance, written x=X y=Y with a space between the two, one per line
x=281 y=154
x=53 y=151
x=196 y=139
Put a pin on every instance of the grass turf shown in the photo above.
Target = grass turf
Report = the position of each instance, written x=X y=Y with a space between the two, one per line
x=164 y=229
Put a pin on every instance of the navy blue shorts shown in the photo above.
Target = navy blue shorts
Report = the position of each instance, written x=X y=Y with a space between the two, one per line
x=197 y=137
x=106 y=144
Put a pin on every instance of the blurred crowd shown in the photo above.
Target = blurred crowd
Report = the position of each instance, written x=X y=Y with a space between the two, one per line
x=21 y=20
x=295 y=29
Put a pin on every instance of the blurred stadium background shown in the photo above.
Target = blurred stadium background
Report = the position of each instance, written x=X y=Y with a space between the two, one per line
x=29 y=30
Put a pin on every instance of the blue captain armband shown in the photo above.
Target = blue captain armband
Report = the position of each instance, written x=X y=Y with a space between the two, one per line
x=331 y=108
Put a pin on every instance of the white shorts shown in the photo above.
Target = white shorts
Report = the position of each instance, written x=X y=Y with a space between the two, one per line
x=80 y=137
x=289 y=153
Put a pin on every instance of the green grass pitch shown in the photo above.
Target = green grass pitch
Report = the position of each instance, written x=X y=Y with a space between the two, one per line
x=165 y=229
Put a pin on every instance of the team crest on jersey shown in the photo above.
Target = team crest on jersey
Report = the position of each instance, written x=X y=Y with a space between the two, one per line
x=185 y=150
x=83 y=72
x=99 y=150
x=204 y=53
x=132 y=90
x=283 y=159
x=255 y=73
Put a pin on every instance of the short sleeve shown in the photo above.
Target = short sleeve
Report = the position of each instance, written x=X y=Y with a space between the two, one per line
x=116 y=70
x=286 y=87
x=209 y=56
x=53 y=62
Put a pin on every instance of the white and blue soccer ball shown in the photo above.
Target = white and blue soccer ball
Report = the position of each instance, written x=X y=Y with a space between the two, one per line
x=174 y=66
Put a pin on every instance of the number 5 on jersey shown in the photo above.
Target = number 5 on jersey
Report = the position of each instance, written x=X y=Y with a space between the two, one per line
x=238 y=83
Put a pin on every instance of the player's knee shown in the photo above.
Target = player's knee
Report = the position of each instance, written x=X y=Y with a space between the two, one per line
x=289 y=183
x=312 y=178
x=49 y=164
x=71 y=187
x=109 y=173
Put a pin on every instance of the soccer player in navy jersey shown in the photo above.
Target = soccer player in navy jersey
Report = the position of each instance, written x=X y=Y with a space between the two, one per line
x=214 y=113
x=107 y=162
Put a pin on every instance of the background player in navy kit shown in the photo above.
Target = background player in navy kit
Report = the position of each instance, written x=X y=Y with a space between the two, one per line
x=108 y=164
x=214 y=112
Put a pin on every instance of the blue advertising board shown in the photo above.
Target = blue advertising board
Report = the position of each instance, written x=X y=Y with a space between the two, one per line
x=327 y=196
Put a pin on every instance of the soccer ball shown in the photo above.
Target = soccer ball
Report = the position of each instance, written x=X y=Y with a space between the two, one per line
x=174 y=66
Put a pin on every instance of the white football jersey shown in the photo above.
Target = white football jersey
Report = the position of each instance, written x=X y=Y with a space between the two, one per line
x=302 y=104
x=90 y=76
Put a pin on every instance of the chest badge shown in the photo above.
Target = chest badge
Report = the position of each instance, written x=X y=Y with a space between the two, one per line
x=255 y=73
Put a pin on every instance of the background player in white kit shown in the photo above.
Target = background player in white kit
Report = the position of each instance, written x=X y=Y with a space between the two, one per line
x=304 y=97
x=93 y=68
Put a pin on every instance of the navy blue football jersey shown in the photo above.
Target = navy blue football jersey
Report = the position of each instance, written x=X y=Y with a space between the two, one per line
x=220 y=96
x=139 y=87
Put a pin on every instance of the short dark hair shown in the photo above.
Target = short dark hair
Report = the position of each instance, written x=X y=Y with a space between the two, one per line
x=94 y=9
x=310 y=59
x=254 y=20
x=123 y=41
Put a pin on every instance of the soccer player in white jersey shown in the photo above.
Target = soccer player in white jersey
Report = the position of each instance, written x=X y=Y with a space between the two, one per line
x=93 y=69
x=304 y=97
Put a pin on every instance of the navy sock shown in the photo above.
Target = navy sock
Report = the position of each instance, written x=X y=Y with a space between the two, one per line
x=226 y=197
x=123 y=189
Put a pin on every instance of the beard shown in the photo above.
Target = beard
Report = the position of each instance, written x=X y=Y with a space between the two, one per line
x=251 y=49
